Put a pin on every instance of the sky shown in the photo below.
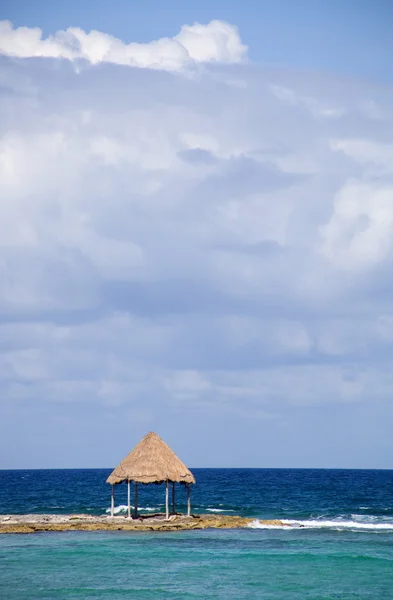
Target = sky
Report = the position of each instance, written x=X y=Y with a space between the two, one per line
x=196 y=232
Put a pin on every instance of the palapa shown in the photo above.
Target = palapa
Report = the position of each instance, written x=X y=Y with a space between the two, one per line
x=151 y=461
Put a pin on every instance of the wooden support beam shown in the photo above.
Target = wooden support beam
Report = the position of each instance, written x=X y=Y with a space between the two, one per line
x=136 y=501
x=188 y=500
x=167 y=501
x=173 y=498
x=129 y=498
x=113 y=501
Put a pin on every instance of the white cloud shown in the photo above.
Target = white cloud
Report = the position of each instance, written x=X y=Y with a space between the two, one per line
x=360 y=231
x=171 y=243
x=377 y=156
x=317 y=108
x=215 y=42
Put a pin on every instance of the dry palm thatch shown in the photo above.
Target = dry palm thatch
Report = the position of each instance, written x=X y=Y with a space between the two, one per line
x=151 y=461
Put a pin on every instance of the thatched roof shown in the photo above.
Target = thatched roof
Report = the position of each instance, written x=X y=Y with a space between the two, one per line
x=151 y=461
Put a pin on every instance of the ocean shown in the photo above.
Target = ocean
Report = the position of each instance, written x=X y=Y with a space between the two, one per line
x=339 y=545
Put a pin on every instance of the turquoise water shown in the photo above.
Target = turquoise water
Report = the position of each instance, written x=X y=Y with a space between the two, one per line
x=232 y=564
x=339 y=544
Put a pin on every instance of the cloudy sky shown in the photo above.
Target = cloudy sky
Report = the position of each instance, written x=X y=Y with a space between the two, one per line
x=196 y=232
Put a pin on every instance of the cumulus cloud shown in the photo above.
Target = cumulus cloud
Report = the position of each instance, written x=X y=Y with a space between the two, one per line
x=360 y=232
x=191 y=254
x=215 y=42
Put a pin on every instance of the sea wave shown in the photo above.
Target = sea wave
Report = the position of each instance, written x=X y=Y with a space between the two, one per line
x=123 y=509
x=218 y=510
x=337 y=524
x=260 y=525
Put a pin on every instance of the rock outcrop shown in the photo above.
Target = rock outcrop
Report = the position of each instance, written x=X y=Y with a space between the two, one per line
x=35 y=523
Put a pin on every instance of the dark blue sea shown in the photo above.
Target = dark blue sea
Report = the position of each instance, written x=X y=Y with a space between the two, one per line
x=339 y=544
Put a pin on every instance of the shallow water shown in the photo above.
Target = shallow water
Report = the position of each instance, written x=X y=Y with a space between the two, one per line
x=236 y=564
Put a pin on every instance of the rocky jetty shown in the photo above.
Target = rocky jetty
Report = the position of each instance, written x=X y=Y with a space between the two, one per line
x=35 y=523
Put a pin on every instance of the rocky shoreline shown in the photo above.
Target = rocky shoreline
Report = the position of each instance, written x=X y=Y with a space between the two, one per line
x=35 y=523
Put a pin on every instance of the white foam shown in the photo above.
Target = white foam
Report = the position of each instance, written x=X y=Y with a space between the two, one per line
x=339 y=524
x=324 y=524
x=258 y=525
x=123 y=509
x=217 y=510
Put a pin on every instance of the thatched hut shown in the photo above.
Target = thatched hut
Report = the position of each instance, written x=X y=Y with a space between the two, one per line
x=151 y=461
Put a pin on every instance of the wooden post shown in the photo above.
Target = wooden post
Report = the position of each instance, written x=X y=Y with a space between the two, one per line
x=129 y=499
x=136 y=501
x=188 y=501
x=113 y=501
x=173 y=498
x=166 y=501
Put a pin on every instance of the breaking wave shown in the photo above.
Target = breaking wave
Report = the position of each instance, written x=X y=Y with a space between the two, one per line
x=356 y=523
x=123 y=509
x=260 y=525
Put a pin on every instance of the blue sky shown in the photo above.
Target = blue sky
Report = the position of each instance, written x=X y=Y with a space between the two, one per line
x=196 y=233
